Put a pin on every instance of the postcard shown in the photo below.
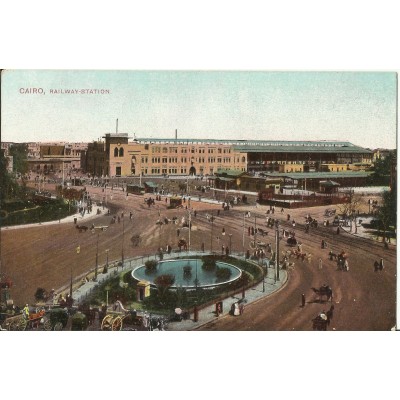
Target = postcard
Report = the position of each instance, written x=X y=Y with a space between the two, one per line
x=139 y=200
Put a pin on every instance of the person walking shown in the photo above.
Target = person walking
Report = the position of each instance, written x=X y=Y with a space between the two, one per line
x=320 y=263
x=381 y=266
x=303 y=300
x=337 y=230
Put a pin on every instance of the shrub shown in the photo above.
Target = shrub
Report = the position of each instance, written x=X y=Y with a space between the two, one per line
x=151 y=265
x=209 y=264
x=223 y=273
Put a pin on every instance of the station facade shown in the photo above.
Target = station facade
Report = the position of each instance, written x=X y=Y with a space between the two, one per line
x=117 y=156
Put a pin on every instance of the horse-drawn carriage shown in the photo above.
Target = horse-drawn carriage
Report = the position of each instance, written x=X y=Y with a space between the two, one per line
x=114 y=321
x=323 y=319
x=323 y=291
x=20 y=322
x=320 y=322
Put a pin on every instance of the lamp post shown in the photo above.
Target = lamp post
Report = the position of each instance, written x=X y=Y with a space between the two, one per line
x=122 y=249
x=190 y=227
x=244 y=216
x=107 y=260
x=212 y=226
x=277 y=251
x=107 y=288
x=97 y=257
x=78 y=250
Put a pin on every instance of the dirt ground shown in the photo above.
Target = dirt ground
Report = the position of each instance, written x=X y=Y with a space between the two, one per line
x=45 y=256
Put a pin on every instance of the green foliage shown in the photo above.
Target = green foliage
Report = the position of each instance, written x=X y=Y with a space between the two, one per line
x=381 y=174
x=209 y=263
x=8 y=185
x=163 y=283
x=150 y=265
x=32 y=210
x=19 y=152
x=223 y=273
x=388 y=211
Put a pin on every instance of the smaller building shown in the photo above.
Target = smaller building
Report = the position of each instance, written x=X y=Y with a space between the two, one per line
x=328 y=187
x=150 y=187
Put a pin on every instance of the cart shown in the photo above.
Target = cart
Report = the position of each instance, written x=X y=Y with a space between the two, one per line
x=114 y=321
x=36 y=320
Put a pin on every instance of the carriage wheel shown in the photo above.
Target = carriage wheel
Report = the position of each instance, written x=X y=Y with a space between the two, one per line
x=58 y=326
x=117 y=324
x=106 y=323
x=18 y=325
x=47 y=324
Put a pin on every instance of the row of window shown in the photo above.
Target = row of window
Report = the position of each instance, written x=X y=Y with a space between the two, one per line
x=193 y=150
x=211 y=160
x=119 y=152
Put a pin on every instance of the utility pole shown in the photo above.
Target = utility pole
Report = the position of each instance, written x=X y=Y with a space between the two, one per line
x=190 y=227
x=212 y=226
x=244 y=215
x=97 y=258
x=277 y=250
x=123 y=237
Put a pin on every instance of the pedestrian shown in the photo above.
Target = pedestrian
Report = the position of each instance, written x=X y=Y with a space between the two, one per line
x=376 y=266
x=178 y=232
x=381 y=266
x=25 y=311
x=202 y=247
x=223 y=249
x=337 y=230
x=303 y=300
x=320 y=263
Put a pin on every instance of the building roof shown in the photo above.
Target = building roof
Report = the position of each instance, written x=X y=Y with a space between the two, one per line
x=300 y=148
x=230 y=172
x=224 y=179
x=269 y=146
x=329 y=183
x=151 y=184
x=319 y=175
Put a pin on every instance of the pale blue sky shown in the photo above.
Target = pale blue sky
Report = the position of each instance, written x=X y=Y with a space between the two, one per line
x=356 y=106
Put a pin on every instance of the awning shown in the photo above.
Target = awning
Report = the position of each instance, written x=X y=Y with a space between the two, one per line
x=225 y=179
x=151 y=184
x=329 y=183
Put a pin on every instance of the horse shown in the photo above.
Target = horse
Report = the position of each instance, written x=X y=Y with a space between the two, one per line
x=81 y=228
x=182 y=243
x=323 y=291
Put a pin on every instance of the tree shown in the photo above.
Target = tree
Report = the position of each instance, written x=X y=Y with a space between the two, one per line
x=19 y=152
x=8 y=185
x=350 y=208
x=381 y=174
x=388 y=211
x=163 y=283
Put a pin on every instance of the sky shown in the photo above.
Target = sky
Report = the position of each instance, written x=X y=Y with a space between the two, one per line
x=359 y=107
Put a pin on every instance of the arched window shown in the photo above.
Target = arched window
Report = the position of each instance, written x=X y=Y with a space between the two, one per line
x=243 y=159
x=116 y=152
x=121 y=152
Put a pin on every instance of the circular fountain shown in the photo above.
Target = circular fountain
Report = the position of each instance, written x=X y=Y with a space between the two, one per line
x=189 y=273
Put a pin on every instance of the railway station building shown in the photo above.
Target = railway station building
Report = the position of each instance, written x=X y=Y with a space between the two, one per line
x=306 y=162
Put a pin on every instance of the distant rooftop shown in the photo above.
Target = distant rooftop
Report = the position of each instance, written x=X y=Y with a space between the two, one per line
x=270 y=146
